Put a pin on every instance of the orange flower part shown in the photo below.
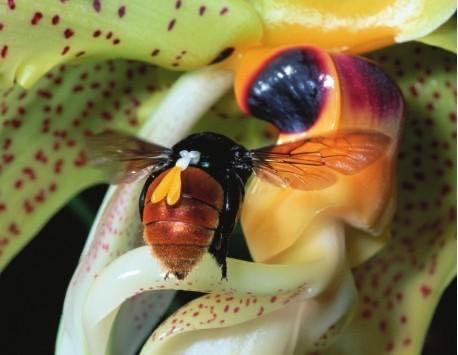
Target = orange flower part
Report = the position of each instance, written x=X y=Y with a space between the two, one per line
x=328 y=93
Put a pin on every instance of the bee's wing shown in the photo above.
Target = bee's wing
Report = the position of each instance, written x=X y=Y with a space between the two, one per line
x=313 y=163
x=125 y=158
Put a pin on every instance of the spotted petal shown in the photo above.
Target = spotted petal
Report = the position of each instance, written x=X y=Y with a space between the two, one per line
x=36 y=36
x=400 y=287
x=43 y=157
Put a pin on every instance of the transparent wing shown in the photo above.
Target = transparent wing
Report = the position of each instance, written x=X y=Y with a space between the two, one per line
x=314 y=163
x=125 y=158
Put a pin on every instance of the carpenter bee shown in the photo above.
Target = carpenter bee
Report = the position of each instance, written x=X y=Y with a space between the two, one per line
x=191 y=199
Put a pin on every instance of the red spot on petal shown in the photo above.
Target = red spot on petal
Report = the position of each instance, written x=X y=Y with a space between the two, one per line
x=260 y=312
x=96 y=33
x=109 y=35
x=41 y=157
x=40 y=196
x=65 y=50
x=97 y=5
x=382 y=325
x=7 y=158
x=425 y=290
x=1 y=26
x=171 y=25
x=80 y=159
x=122 y=11
x=202 y=10
x=58 y=166
x=68 y=33
x=28 y=207
x=389 y=347
x=37 y=16
x=55 y=20
x=224 y=11
x=14 y=229
x=11 y=4
x=18 y=184
x=4 y=52
x=273 y=299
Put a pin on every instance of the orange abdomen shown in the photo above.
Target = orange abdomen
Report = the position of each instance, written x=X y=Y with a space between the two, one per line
x=180 y=234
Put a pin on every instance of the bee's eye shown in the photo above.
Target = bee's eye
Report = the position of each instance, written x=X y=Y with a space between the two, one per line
x=224 y=54
x=289 y=87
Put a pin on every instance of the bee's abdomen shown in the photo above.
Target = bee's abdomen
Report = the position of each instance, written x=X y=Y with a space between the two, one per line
x=180 y=234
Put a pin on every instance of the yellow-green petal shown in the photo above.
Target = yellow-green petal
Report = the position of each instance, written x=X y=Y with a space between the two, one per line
x=400 y=287
x=37 y=35
x=43 y=157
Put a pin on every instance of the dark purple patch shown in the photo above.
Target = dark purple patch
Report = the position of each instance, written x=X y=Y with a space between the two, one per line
x=368 y=87
x=1 y=26
x=177 y=4
x=11 y=4
x=155 y=52
x=224 y=11
x=171 y=25
x=96 y=33
x=109 y=35
x=96 y=4
x=80 y=53
x=116 y=41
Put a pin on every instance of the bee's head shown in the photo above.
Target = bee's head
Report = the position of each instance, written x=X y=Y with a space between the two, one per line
x=217 y=153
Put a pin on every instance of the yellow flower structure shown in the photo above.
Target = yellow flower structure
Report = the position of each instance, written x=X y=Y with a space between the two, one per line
x=333 y=272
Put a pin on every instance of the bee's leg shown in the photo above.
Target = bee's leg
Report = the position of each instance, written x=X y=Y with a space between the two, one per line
x=228 y=220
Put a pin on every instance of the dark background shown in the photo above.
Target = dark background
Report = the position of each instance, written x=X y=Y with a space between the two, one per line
x=32 y=287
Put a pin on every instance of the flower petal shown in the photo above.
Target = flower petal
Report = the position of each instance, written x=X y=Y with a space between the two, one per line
x=354 y=26
x=284 y=331
x=43 y=157
x=401 y=286
x=250 y=291
x=36 y=36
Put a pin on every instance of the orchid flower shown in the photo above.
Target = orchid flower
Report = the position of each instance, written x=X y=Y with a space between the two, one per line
x=333 y=271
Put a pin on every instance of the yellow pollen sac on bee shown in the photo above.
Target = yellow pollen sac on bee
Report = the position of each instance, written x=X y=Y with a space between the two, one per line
x=170 y=186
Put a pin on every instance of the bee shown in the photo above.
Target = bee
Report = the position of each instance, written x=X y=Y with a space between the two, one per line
x=192 y=196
